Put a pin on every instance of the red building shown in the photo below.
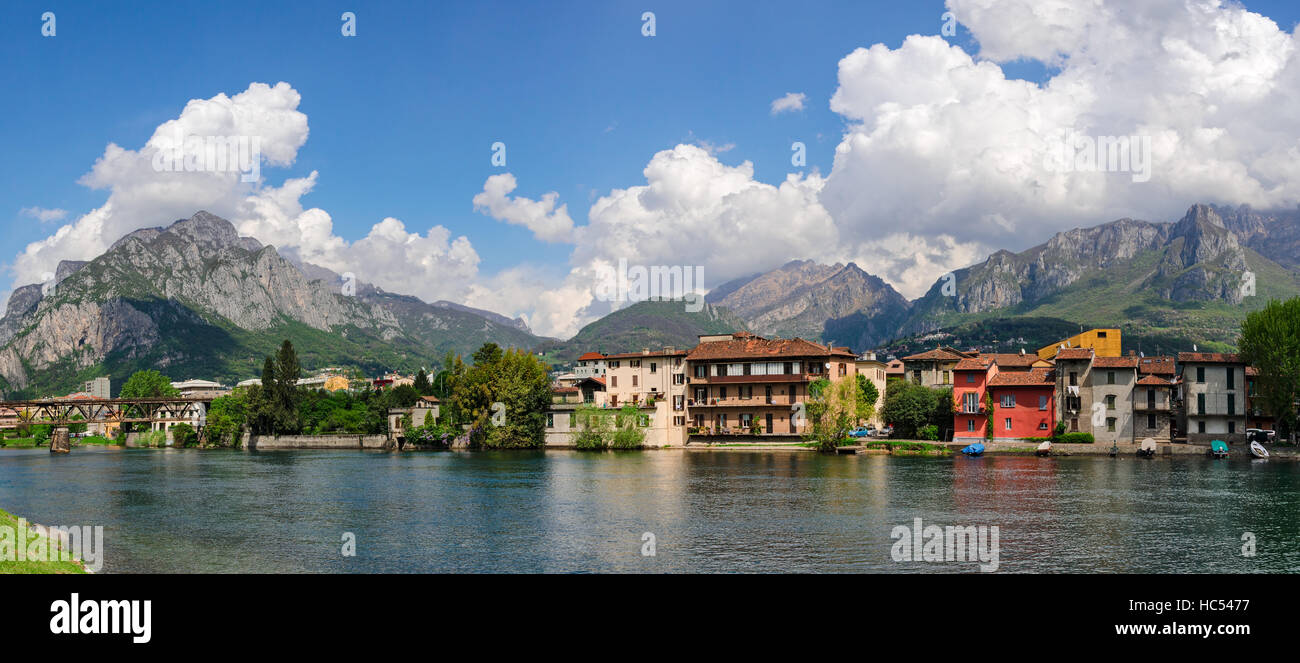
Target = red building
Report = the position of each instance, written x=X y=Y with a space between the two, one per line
x=1023 y=403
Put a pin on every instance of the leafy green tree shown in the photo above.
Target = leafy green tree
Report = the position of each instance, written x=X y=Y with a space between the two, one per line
x=867 y=397
x=627 y=432
x=183 y=435
x=148 y=384
x=422 y=386
x=832 y=409
x=909 y=407
x=593 y=428
x=226 y=417
x=1270 y=341
x=520 y=382
x=285 y=393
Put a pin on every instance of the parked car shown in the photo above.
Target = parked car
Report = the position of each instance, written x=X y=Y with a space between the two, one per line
x=885 y=432
x=861 y=431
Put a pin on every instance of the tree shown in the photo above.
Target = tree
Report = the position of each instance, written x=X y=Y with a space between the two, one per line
x=520 y=382
x=593 y=428
x=148 y=384
x=627 y=430
x=910 y=407
x=284 y=394
x=226 y=417
x=867 y=397
x=1270 y=341
x=183 y=435
x=422 y=386
x=832 y=409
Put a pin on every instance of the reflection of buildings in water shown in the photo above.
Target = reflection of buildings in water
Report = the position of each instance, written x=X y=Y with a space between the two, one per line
x=1026 y=484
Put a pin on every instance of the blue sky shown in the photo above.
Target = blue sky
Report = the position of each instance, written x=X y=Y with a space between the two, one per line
x=402 y=116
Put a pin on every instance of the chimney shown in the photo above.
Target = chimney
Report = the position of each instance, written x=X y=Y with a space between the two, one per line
x=645 y=351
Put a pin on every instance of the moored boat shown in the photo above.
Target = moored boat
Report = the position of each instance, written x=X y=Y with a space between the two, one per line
x=1044 y=448
x=1148 y=448
x=1219 y=449
x=976 y=449
x=1257 y=450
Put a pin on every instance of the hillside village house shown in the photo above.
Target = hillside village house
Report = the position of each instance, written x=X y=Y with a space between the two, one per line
x=655 y=383
x=1014 y=382
x=1213 y=386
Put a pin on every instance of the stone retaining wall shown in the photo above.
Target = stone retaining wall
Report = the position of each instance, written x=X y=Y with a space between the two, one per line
x=268 y=442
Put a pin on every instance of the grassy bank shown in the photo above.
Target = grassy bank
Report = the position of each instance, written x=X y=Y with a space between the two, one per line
x=10 y=522
x=909 y=447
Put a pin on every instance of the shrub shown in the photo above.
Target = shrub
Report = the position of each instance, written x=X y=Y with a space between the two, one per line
x=1084 y=438
x=928 y=432
x=183 y=435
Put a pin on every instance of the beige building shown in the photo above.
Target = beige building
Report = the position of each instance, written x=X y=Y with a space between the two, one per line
x=1095 y=394
x=877 y=372
x=1213 y=391
x=933 y=368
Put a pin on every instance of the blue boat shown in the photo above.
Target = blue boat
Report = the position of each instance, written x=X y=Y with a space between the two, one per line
x=976 y=449
x=1219 y=449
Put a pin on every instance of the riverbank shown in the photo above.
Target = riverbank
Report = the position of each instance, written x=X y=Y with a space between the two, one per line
x=37 y=537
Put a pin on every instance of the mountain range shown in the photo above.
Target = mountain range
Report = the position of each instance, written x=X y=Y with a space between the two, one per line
x=195 y=299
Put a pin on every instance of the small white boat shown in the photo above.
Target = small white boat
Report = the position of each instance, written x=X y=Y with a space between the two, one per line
x=1257 y=450
x=1148 y=448
x=1044 y=448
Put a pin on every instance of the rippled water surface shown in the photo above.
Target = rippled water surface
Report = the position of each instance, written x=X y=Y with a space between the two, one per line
x=287 y=511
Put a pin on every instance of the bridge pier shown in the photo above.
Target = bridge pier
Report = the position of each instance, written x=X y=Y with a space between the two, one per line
x=59 y=442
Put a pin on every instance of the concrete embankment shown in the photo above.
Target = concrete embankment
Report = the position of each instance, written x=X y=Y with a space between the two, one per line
x=272 y=442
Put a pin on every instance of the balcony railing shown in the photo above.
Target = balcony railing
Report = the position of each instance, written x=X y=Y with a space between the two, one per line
x=732 y=379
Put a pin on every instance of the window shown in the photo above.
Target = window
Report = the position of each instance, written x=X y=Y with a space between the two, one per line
x=1232 y=379
x=719 y=370
x=1110 y=424
x=758 y=369
x=1042 y=402
x=789 y=368
x=1007 y=423
x=701 y=370
x=613 y=364
x=970 y=425
x=916 y=376
x=1200 y=374
x=1101 y=334
x=635 y=363
x=1042 y=425
x=1232 y=426
x=1200 y=426
x=1151 y=421
x=722 y=393
x=1232 y=404
x=679 y=378
x=1110 y=377
x=970 y=402
x=970 y=378
x=679 y=421
x=550 y=420
x=947 y=377
x=1110 y=402
x=1200 y=404
x=633 y=380
x=613 y=381
x=845 y=367
x=1074 y=424
x=1074 y=378
x=679 y=402
x=1008 y=400
x=653 y=366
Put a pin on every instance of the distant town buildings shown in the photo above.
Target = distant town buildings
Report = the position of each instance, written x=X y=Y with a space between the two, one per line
x=101 y=387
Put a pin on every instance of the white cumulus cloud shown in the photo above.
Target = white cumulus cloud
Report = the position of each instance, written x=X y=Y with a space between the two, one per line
x=792 y=101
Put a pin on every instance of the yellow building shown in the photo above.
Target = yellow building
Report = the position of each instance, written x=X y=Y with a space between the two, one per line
x=336 y=383
x=1104 y=343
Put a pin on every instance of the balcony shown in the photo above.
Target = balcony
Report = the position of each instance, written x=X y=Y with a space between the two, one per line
x=733 y=379
x=1144 y=406
x=978 y=409
x=758 y=401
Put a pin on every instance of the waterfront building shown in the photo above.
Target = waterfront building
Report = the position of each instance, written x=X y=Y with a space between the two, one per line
x=1213 y=389
x=894 y=370
x=739 y=379
x=971 y=378
x=1095 y=393
x=1155 y=400
x=1023 y=403
x=425 y=410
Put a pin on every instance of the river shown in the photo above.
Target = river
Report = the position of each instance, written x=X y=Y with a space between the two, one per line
x=186 y=511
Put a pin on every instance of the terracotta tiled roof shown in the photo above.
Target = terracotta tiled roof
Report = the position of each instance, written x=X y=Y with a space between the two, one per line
x=1073 y=353
x=1208 y=358
x=1153 y=381
x=973 y=364
x=586 y=356
x=1156 y=366
x=941 y=354
x=1115 y=362
x=754 y=347
x=600 y=380
x=430 y=399
x=1038 y=377
x=1011 y=359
